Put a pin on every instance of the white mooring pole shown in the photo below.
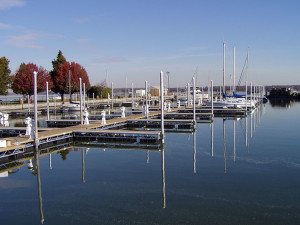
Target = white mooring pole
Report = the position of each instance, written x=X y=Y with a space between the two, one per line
x=47 y=97
x=36 y=140
x=162 y=106
x=194 y=103
x=80 y=90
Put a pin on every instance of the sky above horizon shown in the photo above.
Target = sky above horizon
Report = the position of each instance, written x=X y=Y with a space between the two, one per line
x=136 y=39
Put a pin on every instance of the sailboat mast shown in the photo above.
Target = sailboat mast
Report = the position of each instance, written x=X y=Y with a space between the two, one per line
x=224 y=67
x=70 y=84
x=233 y=68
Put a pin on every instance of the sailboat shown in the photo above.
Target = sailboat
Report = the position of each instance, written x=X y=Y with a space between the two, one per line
x=231 y=101
x=72 y=106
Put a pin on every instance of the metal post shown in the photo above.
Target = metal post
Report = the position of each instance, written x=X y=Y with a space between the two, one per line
x=224 y=67
x=93 y=98
x=162 y=106
x=80 y=91
x=233 y=69
x=132 y=102
x=83 y=96
x=36 y=138
x=112 y=95
x=188 y=94
x=47 y=97
x=246 y=99
x=146 y=96
x=194 y=103
x=28 y=100
x=125 y=92
x=212 y=98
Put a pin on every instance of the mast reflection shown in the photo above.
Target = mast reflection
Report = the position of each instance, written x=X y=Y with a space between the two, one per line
x=147 y=156
x=195 y=151
x=212 y=138
x=234 y=150
x=163 y=178
x=83 y=166
x=224 y=142
x=37 y=163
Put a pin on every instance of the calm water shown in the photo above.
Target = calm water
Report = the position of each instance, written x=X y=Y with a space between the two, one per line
x=189 y=182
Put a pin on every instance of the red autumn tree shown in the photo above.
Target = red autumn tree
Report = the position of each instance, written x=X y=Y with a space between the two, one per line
x=61 y=80
x=22 y=82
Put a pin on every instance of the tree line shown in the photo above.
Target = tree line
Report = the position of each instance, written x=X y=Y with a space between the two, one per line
x=63 y=73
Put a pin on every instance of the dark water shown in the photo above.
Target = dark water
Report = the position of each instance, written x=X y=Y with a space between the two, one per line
x=257 y=182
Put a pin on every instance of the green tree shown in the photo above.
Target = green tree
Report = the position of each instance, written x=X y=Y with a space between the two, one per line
x=4 y=76
x=100 y=90
x=56 y=63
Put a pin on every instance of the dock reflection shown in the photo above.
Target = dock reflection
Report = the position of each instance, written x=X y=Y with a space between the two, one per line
x=37 y=168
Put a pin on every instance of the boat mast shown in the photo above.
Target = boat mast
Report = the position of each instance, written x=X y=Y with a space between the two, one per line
x=70 y=85
x=233 y=69
x=224 y=67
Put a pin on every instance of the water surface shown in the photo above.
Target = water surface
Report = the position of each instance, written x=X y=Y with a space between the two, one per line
x=254 y=181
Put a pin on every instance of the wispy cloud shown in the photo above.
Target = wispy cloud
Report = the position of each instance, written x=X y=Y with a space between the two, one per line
x=83 y=40
x=5 y=26
x=110 y=60
x=25 y=40
x=7 y=4
x=81 y=20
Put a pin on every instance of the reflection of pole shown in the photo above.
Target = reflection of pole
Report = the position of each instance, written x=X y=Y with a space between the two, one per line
x=224 y=142
x=251 y=124
x=37 y=162
x=246 y=129
x=212 y=139
x=80 y=90
x=83 y=167
x=195 y=151
x=234 y=153
x=148 y=159
x=50 y=161
x=162 y=106
x=163 y=178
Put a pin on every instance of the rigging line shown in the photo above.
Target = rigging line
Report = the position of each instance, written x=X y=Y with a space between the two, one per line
x=243 y=71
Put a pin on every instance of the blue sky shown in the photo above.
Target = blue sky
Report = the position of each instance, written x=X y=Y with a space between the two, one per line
x=139 y=38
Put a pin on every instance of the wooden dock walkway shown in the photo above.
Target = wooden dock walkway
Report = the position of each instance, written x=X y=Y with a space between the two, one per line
x=19 y=144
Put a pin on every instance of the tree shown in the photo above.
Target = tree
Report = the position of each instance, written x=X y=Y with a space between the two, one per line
x=61 y=80
x=56 y=63
x=100 y=90
x=4 y=76
x=60 y=59
x=22 y=82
